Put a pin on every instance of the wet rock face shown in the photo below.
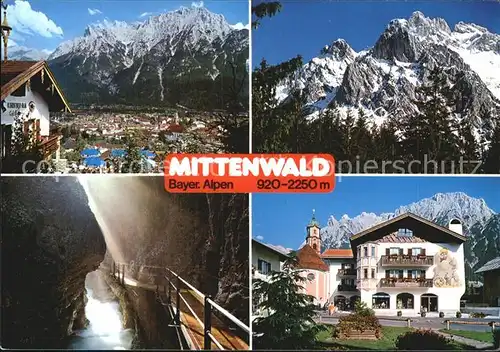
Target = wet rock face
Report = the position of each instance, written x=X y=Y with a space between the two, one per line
x=204 y=238
x=50 y=242
x=229 y=229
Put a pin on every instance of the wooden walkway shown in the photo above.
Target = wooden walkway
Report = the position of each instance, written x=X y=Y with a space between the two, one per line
x=190 y=326
x=227 y=338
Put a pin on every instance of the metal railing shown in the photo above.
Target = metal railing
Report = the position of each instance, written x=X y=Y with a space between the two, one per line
x=208 y=305
x=173 y=287
x=407 y=260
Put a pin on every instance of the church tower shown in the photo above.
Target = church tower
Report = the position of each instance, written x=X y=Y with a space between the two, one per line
x=313 y=238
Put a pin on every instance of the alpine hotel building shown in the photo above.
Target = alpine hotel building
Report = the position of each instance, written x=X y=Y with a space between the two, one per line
x=405 y=264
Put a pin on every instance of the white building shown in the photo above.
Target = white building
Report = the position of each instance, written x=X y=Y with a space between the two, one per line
x=265 y=259
x=405 y=264
x=411 y=264
x=29 y=94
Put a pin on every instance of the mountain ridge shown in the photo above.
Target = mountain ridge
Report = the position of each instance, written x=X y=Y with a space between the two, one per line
x=382 y=80
x=186 y=56
x=481 y=224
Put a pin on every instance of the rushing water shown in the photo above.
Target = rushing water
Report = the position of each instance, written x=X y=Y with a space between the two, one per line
x=105 y=330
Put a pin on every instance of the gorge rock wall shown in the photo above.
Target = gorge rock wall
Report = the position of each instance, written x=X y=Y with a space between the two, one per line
x=50 y=242
x=202 y=237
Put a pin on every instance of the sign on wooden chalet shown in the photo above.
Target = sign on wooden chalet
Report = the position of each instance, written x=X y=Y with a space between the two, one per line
x=29 y=94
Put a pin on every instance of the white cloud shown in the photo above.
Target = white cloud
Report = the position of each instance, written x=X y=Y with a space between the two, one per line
x=144 y=14
x=239 y=26
x=22 y=18
x=11 y=43
x=260 y=238
x=93 y=12
x=197 y=4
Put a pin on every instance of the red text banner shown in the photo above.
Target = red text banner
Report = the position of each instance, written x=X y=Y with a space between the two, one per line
x=249 y=173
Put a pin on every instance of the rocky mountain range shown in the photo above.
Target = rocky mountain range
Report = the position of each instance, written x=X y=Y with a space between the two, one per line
x=185 y=56
x=480 y=223
x=383 y=79
x=23 y=53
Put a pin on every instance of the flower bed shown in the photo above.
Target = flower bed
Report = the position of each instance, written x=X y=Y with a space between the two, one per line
x=358 y=327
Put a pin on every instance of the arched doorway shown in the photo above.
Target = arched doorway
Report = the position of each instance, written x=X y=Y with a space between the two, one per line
x=352 y=302
x=340 y=302
x=429 y=302
x=381 y=300
x=405 y=301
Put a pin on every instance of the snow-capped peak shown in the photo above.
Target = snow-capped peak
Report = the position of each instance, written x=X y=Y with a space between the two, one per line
x=439 y=208
x=195 y=25
x=382 y=81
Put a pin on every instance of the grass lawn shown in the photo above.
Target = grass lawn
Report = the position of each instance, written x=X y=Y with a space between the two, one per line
x=387 y=342
x=475 y=335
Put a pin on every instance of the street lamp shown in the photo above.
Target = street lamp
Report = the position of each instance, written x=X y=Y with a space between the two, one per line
x=5 y=31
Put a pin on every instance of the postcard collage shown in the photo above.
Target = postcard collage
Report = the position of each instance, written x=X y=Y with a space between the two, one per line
x=104 y=246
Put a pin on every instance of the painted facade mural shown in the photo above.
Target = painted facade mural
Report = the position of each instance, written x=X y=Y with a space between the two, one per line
x=446 y=270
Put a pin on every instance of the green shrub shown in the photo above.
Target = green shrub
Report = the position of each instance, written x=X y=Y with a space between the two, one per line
x=496 y=338
x=477 y=315
x=459 y=314
x=361 y=309
x=423 y=339
x=359 y=323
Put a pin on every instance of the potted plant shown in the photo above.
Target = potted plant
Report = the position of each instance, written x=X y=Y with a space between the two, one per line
x=400 y=313
x=459 y=314
x=441 y=314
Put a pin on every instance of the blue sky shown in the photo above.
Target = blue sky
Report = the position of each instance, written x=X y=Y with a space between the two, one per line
x=43 y=24
x=304 y=27
x=281 y=218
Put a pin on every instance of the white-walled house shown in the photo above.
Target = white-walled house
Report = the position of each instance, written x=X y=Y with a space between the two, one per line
x=342 y=290
x=29 y=94
x=405 y=264
x=411 y=264
x=265 y=259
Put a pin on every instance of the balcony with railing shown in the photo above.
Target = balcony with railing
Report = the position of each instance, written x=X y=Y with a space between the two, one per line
x=407 y=260
x=346 y=288
x=406 y=282
x=347 y=272
x=50 y=145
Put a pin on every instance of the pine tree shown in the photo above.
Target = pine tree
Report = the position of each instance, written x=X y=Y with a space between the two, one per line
x=430 y=132
x=491 y=164
x=386 y=146
x=264 y=9
x=290 y=324
x=362 y=141
x=133 y=161
x=469 y=150
x=272 y=123
x=346 y=127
